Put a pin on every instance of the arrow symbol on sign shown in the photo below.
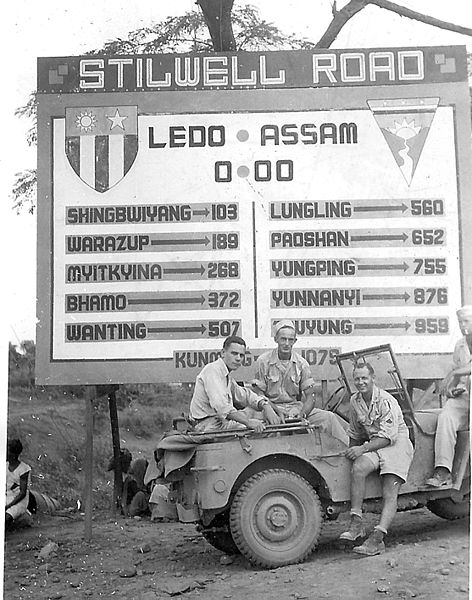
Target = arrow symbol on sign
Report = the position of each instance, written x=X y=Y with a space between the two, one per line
x=198 y=329
x=381 y=208
x=184 y=270
x=198 y=300
x=200 y=212
x=401 y=267
x=185 y=241
x=379 y=237
x=404 y=326
x=405 y=296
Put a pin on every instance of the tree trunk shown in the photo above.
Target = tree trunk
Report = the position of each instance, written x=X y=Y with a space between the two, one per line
x=217 y=15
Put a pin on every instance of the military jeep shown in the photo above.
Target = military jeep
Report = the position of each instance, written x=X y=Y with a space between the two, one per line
x=266 y=495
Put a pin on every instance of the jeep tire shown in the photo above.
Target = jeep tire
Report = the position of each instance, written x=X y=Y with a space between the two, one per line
x=275 y=518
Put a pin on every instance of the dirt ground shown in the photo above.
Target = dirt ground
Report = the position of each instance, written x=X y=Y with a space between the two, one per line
x=427 y=557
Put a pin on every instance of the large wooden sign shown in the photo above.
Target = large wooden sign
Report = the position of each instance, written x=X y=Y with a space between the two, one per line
x=185 y=198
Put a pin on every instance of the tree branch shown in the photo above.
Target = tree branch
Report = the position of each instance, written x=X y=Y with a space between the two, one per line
x=342 y=16
x=412 y=14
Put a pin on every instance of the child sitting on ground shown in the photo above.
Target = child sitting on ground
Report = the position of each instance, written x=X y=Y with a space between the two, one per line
x=17 y=480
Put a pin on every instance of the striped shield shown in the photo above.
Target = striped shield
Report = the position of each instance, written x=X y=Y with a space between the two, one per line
x=101 y=143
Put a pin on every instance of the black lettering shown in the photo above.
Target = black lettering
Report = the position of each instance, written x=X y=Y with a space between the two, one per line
x=269 y=133
x=177 y=136
x=152 y=142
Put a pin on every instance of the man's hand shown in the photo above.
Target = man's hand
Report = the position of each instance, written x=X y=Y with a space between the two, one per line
x=280 y=412
x=447 y=383
x=354 y=452
x=270 y=415
x=256 y=425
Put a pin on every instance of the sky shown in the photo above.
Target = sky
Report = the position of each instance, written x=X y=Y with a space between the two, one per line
x=63 y=28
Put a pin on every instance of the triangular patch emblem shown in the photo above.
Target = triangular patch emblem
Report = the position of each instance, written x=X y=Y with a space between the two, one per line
x=405 y=124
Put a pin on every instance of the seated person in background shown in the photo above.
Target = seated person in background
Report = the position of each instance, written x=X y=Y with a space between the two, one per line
x=135 y=495
x=455 y=414
x=17 y=483
x=378 y=441
x=218 y=402
x=284 y=378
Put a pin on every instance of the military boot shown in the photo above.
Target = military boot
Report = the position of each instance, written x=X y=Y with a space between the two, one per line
x=356 y=530
x=373 y=545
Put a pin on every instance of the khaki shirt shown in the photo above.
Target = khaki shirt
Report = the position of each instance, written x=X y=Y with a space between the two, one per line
x=382 y=418
x=216 y=393
x=462 y=358
x=280 y=383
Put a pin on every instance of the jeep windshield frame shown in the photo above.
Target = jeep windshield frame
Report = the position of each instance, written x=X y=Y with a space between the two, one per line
x=387 y=373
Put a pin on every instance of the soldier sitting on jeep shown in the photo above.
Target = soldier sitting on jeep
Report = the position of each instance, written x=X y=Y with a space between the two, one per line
x=284 y=378
x=378 y=440
x=218 y=402
x=454 y=417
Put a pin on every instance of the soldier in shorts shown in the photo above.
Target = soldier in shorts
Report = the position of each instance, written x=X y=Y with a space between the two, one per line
x=378 y=440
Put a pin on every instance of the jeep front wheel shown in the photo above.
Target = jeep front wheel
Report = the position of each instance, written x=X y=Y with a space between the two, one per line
x=275 y=518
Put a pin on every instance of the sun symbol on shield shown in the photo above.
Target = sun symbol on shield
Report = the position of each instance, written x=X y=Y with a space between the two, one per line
x=86 y=121
x=404 y=129
x=407 y=132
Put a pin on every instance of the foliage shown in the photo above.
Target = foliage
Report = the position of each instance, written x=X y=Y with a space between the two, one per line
x=144 y=423
x=189 y=33
x=21 y=375
x=21 y=365
x=24 y=187
x=186 y=33
x=24 y=191
x=53 y=447
x=148 y=394
x=50 y=423
x=29 y=111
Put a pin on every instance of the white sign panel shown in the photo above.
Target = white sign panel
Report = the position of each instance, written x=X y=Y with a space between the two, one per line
x=174 y=230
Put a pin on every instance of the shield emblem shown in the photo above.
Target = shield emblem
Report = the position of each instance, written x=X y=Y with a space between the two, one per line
x=101 y=143
x=405 y=124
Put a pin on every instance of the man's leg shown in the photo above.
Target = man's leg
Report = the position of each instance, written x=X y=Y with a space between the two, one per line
x=361 y=467
x=374 y=544
x=453 y=417
x=329 y=423
x=391 y=485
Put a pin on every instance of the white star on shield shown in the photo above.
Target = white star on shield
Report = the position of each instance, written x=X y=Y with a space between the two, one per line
x=117 y=120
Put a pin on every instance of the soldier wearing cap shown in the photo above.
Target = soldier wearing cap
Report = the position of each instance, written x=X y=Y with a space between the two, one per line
x=284 y=378
x=455 y=414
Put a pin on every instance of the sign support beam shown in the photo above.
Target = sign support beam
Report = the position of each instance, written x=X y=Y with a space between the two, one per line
x=90 y=395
